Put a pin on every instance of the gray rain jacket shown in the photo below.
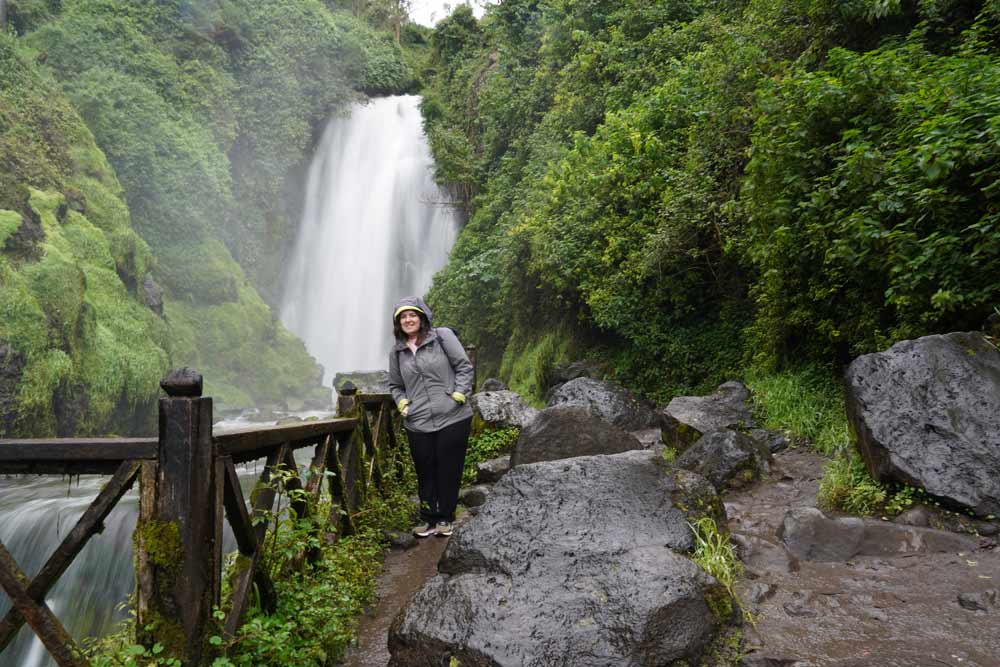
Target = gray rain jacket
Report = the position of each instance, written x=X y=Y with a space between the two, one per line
x=428 y=377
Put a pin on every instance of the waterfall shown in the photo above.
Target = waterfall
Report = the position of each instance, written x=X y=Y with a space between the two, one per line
x=374 y=228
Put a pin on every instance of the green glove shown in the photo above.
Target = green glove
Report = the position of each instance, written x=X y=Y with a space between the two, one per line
x=404 y=406
x=458 y=396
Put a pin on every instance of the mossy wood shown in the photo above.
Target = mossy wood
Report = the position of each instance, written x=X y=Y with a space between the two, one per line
x=188 y=485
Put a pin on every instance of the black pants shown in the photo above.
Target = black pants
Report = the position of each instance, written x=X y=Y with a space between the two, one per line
x=439 y=458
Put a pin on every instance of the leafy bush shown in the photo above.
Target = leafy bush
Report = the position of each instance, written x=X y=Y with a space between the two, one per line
x=485 y=446
x=692 y=183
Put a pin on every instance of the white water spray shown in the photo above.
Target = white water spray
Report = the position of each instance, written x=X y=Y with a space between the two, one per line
x=375 y=228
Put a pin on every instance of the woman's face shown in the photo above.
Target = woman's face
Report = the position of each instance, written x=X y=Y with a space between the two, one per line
x=409 y=322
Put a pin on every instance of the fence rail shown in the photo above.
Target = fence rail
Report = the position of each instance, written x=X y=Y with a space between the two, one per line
x=188 y=485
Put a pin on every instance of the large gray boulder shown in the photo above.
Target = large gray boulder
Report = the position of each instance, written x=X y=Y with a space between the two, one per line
x=610 y=401
x=926 y=412
x=503 y=409
x=564 y=432
x=687 y=418
x=727 y=459
x=547 y=574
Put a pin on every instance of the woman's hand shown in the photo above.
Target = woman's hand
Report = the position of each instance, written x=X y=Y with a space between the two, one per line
x=404 y=406
x=458 y=396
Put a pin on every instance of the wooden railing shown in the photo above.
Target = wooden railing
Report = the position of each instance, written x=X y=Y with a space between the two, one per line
x=187 y=484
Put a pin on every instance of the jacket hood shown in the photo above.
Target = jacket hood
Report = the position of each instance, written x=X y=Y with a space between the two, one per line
x=414 y=302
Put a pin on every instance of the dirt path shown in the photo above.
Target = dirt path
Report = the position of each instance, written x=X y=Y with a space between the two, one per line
x=404 y=572
x=887 y=611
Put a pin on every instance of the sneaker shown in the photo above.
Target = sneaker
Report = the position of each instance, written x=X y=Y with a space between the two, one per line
x=425 y=530
x=444 y=529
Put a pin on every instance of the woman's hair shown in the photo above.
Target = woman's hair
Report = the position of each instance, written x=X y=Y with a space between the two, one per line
x=397 y=330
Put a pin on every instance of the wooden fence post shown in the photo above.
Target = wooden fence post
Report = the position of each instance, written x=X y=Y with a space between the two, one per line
x=179 y=527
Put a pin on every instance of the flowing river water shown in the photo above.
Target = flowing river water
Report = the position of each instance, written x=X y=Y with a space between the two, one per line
x=375 y=228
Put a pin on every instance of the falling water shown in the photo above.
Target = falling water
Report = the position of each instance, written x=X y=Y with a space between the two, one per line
x=375 y=228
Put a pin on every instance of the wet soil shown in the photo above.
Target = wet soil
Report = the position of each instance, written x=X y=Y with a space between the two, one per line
x=403 y=574
x=900 y=611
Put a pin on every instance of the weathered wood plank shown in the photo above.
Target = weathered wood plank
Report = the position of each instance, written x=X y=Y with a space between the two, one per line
x=72 y=544
x=236 y=510
x=317 y=469
x=263 y=502
x=67 y=450
x=38 y=615
x=242 y=444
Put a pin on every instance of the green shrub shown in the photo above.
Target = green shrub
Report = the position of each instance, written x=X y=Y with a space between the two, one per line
x=807 y=403
x=485 y=446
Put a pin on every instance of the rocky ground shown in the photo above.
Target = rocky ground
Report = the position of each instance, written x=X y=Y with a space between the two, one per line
x=403 y=574
x=910 y=608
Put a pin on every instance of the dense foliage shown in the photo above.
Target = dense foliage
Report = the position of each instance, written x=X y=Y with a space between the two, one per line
x=202 y=114
x=692 y=187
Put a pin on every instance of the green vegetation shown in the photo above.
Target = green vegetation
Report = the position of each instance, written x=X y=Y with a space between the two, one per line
x=91 y=352
x=151 y=145
x=715 y=554
x=695 y=188
x=485 y=446
x=806 y=403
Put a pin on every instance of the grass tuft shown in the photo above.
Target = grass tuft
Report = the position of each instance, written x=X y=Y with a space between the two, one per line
x=807 y=403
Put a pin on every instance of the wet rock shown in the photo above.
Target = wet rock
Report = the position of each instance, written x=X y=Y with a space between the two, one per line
x=981 y=601
x=798 y=607
x=399 y=539
x=491 y=471
x=726 y=459
x=367 y=382
x=687 y=418
x=927 y=413
x=809 y=535
x=915 y=516
x=562 y=373
x=182 y=382
x=503 y=409
x=563 y=432
x=760 y=591
x=151 y=294
x=608 y=400
x=649 y=437
x=492 y=384
x=290 y=419
x=547 y=575
x=760 y=555
x=775 y=441
x=473 y=496
x=987 y=529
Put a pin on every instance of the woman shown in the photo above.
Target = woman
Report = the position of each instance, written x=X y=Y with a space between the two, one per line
x=430 y=377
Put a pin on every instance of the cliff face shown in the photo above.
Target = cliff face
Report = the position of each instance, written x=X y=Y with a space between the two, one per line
x=148 y=194
x=78 y=342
